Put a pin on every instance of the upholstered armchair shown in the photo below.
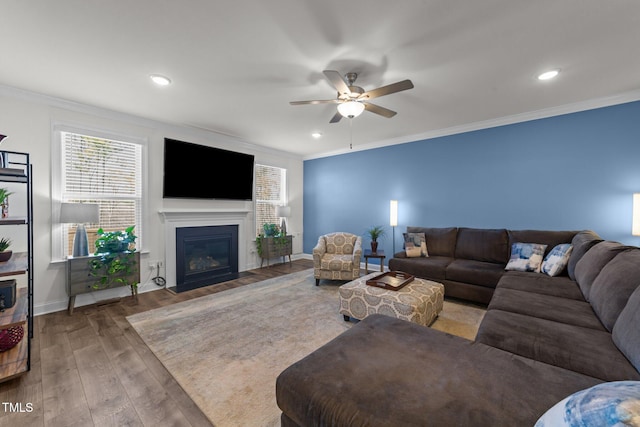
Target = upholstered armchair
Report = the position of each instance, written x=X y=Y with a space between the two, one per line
x=337 y=257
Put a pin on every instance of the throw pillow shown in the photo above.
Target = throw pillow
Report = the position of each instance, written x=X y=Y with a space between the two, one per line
x=608 y=404
x=417 y=240
x=556 y=261
x=412 y=251
x=526 y=257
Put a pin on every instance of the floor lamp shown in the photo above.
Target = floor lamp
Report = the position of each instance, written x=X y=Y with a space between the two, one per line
x=635 y=220
x=393 y=221
x=80 y=214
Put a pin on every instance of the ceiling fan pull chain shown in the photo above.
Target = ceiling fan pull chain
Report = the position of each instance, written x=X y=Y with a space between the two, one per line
x=351 y=134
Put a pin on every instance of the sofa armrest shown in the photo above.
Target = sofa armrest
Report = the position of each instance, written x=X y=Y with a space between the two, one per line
x=357 y=251
x=318 y=251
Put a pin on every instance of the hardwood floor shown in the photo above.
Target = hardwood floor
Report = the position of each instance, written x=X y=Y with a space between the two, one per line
x=92 y=368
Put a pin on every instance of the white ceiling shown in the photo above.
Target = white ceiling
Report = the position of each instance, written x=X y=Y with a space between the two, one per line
x=235 y=65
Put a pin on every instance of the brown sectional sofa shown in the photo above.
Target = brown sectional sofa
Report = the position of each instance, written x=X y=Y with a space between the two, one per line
x=542 y=339
x=470 y=261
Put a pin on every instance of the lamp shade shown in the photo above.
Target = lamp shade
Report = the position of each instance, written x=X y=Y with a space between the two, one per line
x=351 y=109
x=80 y=213
x=283 y=211
x=635 y=226
x=393 y=213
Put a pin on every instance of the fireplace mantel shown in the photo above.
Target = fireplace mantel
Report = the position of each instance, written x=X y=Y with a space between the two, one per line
x=173 y=214
x=180 y=217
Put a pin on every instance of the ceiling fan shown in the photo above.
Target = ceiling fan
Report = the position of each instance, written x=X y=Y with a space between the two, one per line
x=353 y=100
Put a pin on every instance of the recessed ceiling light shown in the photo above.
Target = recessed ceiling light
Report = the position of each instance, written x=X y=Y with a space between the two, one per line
x=160 y=80
x=548 y=75
x=316 y=135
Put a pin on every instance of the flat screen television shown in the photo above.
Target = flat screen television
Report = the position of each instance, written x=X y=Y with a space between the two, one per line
x=194 y=171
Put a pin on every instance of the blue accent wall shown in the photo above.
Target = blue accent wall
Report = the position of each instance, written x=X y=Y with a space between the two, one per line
x=569 y=172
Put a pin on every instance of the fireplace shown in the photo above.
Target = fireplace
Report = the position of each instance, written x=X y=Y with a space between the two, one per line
x=205 y=256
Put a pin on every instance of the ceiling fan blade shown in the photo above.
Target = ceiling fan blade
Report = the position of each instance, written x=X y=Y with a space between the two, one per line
x=373 y=108
x=387 y=90
x=336 y=118
x=319 y=101
x=337 y=81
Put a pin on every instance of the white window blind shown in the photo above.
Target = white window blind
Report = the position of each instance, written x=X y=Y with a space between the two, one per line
x=106 y=172
x=270 y=192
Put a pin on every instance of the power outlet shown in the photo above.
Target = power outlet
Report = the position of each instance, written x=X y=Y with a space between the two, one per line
x=153 y=265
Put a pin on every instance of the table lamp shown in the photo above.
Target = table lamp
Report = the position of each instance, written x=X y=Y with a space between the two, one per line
x=283 y=212
x=80 y=214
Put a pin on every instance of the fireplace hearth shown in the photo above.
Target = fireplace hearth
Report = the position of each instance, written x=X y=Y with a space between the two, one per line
x=205 y=256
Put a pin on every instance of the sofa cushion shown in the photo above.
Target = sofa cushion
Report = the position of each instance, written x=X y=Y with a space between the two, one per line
x=526 y=257
x=560 y=286
x=564 y=310
x=483 y=245
x=556 y=261
x=440 y=241
x=474 y=272
x=545 y=237
x=582 y=242
x=614 y=285
x=389 y=372
x=588 y=351
x=593 y=262
x=626 y=333
x=432 y=267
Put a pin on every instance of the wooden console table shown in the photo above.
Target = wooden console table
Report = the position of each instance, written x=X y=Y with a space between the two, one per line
x=272 y=247
x=80 y=281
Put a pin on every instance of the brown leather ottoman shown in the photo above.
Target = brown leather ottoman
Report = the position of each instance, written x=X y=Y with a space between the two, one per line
x=419 y=301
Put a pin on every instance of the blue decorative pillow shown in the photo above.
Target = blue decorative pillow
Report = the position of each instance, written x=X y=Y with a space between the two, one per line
x=604 y=405
x=556 y=261
x=526 y=257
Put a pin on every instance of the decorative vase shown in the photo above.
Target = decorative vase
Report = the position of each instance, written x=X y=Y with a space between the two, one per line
x=5 y=256
x=374 y=246
x=5 y=208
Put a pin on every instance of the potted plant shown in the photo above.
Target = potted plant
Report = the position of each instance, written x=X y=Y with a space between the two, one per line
x=115 y=261
x=5 y=255
x=4 y=201
x=375 y=233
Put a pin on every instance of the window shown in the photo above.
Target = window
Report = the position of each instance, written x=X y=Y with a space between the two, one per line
x=103 y=171
x=270 y=192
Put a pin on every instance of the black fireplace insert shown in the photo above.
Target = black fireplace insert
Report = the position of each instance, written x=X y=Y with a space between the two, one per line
x=205 y=256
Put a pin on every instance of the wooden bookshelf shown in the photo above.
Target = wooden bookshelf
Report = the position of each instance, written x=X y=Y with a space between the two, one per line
x=17 y=264
x=15 y=361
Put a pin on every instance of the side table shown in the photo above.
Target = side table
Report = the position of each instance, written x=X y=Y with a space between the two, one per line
x=368 y=254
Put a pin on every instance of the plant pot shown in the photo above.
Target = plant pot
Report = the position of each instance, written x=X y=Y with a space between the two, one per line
x=374 y=247
x=5 y=256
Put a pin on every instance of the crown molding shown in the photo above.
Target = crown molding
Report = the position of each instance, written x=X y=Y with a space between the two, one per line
x=486 y=124
x=169 y=128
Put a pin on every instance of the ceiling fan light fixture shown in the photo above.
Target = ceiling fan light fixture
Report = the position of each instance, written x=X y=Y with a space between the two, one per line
x=350 y=109
x=548 y=75
x=160 y=80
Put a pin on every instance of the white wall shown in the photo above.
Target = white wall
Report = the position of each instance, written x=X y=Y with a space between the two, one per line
x=28 y=120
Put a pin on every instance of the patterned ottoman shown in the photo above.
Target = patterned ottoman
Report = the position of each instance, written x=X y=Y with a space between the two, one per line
x=419 y=301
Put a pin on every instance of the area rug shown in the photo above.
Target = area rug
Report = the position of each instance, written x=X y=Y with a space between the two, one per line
x=226 y=349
